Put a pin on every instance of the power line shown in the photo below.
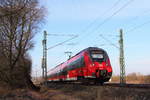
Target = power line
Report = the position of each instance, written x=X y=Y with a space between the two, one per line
x=138 y=16
x=62 y=42
x=108 y=18
x=57 y=61
x=72 y=44
x=62 y=35
x=116 y=12
x=134 y=28
x=109 y=41
x=138 y=26
x=104 y=13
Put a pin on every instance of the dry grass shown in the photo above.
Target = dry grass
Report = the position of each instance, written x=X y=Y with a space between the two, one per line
x=75 y=92
x=19 y=94
x=136 y=78
x=80 y=92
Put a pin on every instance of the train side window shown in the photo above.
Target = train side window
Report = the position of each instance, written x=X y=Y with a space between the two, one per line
x=76 y=64
x=82 y=62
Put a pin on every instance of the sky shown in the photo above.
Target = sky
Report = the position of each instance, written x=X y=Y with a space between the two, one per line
x=89 y=19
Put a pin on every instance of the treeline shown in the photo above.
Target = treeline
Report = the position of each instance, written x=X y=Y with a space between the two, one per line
x=19 y=22
x=133 y=78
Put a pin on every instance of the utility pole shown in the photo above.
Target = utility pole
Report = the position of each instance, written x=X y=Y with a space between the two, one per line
x=122 y=62
x=36 y=75
x=44 y=43
x=44 y=59
x=69 y=53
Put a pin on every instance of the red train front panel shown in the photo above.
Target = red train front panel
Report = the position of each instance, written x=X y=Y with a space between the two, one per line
x=98 y=65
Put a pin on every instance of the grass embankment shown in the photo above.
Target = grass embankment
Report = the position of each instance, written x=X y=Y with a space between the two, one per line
x=80 y=92
x=75 y=92
x=19 y=94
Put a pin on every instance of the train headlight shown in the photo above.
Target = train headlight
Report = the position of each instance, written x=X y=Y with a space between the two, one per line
x=109 y=69
x=100 y=65
x=93 y=64
x=106 y=64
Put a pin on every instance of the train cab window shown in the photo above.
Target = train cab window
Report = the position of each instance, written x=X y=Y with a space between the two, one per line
x=97 y=56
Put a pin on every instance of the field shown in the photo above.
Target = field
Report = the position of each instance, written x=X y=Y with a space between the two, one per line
x=76 y=92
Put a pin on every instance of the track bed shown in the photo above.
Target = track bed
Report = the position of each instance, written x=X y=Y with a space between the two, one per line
x=109 y=91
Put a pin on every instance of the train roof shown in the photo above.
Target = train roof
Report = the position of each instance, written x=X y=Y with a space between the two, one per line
x=89 y=49
x=93 y=48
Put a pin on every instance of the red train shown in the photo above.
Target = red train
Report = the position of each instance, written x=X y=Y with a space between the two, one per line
x=90 y=64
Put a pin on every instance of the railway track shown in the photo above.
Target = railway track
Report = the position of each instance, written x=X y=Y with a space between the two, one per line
x=144 y=86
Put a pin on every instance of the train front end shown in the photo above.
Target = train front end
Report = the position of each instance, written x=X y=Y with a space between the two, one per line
x=98 y=65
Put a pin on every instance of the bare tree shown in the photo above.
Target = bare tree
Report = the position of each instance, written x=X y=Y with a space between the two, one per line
x=19 y=22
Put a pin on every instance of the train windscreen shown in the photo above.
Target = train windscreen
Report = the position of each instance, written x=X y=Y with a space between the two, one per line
x=97 y=56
